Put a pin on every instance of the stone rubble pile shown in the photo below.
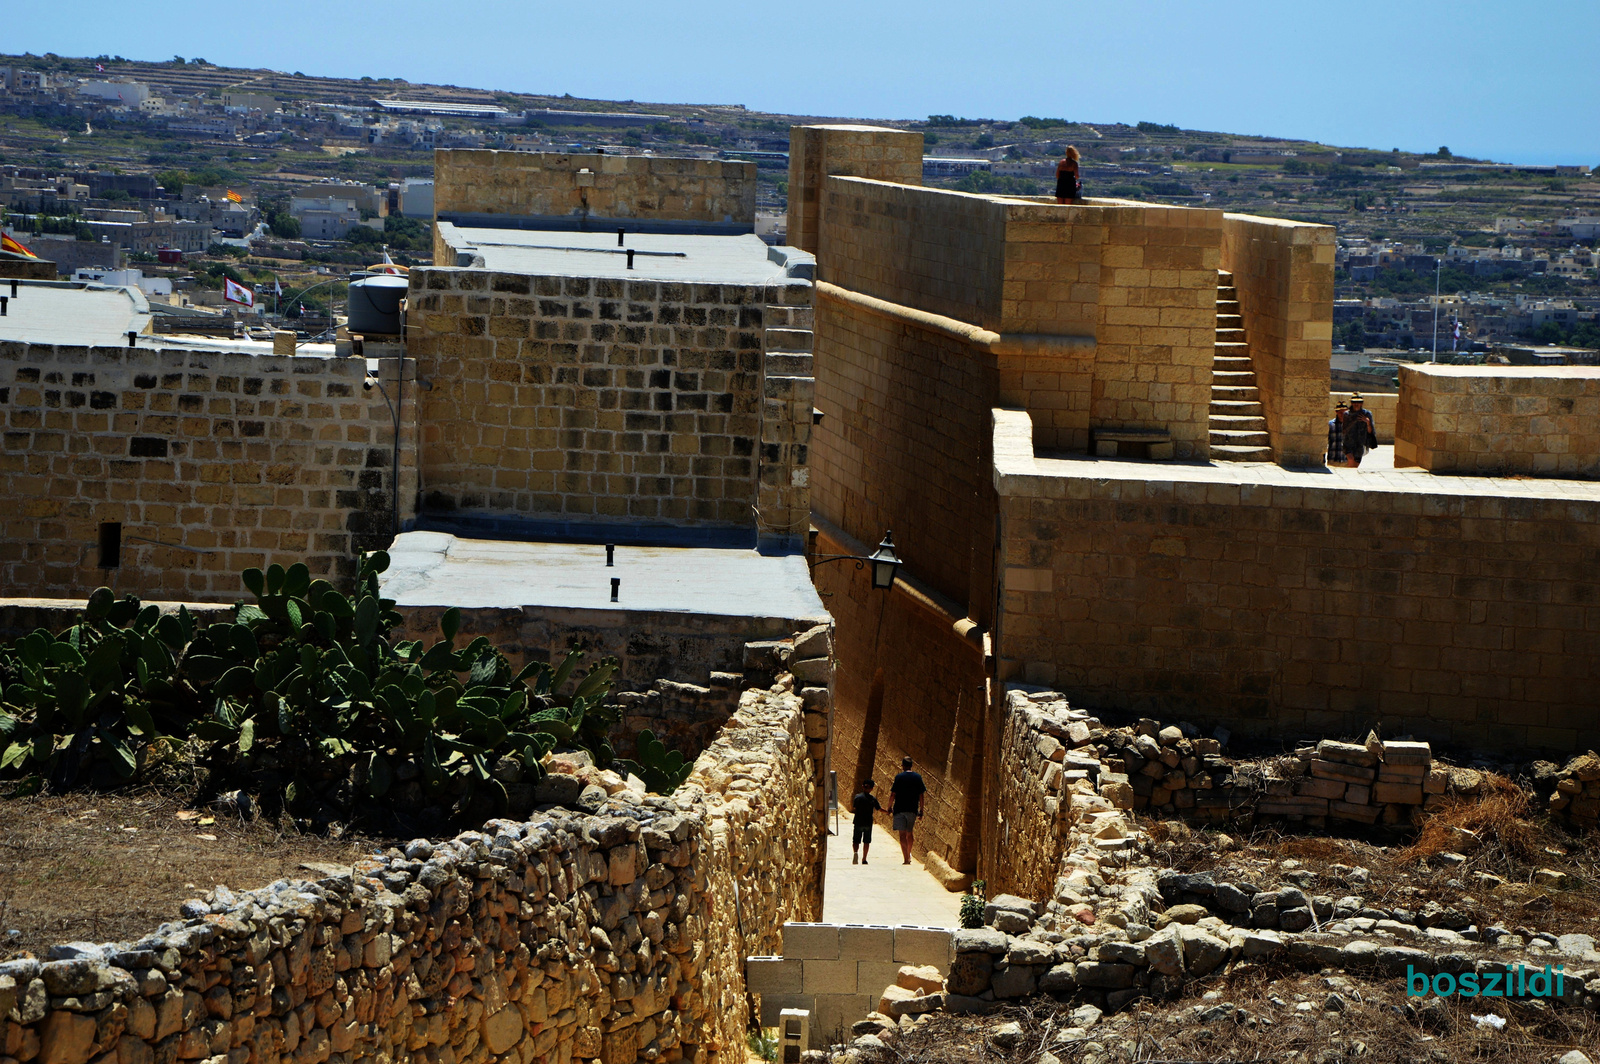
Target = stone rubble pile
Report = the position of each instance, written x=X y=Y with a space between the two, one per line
x=1576 y=794
x=577 y=935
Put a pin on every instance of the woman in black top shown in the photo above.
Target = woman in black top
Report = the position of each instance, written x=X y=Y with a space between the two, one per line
x=1069 y=187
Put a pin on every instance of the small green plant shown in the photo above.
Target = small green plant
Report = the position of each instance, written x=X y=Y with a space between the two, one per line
x=661 y=769
x=972 y=905
x=763 y=1042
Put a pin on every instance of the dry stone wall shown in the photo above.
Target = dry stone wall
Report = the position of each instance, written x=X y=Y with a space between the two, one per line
x=209 y=462
x=608 y=937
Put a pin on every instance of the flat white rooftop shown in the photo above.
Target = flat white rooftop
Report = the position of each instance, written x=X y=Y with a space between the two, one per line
x=439 y=569
x=69 y=312
x=690 y=258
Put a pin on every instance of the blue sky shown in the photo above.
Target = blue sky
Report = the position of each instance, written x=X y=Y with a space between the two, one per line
x=1512 y=82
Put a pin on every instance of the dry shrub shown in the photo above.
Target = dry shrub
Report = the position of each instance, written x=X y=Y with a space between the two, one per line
x=1498 y=817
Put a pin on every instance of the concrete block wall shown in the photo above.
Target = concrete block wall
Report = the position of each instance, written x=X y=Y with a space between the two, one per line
x=591 y=399
x=1499 y=420
x=1284 y=273
x=212 y=462
x=839 y=971
x=523 y=184
x=862 y=151
x=1461 y=612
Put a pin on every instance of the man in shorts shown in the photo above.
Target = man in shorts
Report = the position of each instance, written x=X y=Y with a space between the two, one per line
x=863 y=805
x=908 y=792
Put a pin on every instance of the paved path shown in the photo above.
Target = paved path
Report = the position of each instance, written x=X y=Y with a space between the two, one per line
x=883 y=891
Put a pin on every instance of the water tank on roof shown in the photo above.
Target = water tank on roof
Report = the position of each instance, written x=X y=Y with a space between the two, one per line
x=375 y=305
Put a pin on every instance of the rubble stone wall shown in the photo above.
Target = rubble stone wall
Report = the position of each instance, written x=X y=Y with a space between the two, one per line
x=608 y=937
x=1034 y=799
x=1284 y=273
x=1499 y=420
x=1302 y=611
x=517 y=183
x=589 y=399
x=211 y=462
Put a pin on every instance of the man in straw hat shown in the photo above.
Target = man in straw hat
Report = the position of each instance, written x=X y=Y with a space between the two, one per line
x=1335 y=455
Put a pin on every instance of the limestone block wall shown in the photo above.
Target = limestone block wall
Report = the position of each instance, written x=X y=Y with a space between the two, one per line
x=523 y=184
x=838 y=971
x=1499 y=420
x=1284 y=273
x=211 y=462
x=1096 y=316
x=1460 y=612
x=816 y=152
x=590 y=399
x=909 y=682
x=570 y=937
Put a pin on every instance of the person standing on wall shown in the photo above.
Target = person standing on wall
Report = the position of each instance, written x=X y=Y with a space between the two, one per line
x=909 y=794
x=1360 y=432
x=863 y=805
x=1335 y=455
x=1069 y=185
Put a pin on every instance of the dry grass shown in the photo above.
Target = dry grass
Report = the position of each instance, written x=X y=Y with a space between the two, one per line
x=111 y=867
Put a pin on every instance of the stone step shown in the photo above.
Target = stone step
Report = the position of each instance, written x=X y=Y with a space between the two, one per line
x=1231 y=336
x=1239 y=438
x=1227 y=306
x=1234 y=348
x=1235 y=391
x=1231 y=453
x=1232 y=377
x=1247 y=407
x=1224 y=276
x=789 y=364
x=780 y=316
x=1238 y=422
x=784 y=339
x=1229 y=321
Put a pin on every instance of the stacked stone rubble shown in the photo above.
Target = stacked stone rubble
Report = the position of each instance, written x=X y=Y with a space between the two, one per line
x=612 y=936
x=1576 y=798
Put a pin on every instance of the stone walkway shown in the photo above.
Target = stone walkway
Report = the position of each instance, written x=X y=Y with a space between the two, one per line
x=883 y=891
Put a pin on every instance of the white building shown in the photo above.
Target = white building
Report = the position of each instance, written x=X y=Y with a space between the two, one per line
x=150 y=286
x=325 y=219
x=127 y=93
x=416 y=197
x=1582 y=228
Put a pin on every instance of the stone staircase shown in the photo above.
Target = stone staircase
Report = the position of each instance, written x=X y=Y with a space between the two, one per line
x=1238 y=424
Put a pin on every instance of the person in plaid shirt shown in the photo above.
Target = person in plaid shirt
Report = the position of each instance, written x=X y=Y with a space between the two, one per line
x=1335 y=454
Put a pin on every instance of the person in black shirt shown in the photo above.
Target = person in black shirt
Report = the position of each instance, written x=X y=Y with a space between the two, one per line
x=864 y=805
x=908 y=791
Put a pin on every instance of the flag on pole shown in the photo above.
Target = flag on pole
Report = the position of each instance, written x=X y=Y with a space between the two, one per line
x=10 y=243
x=237 y=293
x=1457 y=337
x=234 y=197
x=100 y=68
x=277 y=289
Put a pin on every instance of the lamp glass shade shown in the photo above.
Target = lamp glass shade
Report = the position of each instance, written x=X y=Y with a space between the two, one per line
x=885 y=563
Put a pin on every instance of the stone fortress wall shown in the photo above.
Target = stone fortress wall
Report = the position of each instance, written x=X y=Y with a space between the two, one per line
x=1452 y=610
x=1499 y=420
x=636 y=188
x=210 y=461
x=594 y=400
x=609 y=937
x=1284 y=273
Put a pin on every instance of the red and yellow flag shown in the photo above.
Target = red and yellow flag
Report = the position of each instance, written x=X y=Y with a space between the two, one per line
x=9 y=243
x=235 y=197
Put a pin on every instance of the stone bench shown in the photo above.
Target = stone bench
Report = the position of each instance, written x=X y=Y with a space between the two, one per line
x=1106 y=443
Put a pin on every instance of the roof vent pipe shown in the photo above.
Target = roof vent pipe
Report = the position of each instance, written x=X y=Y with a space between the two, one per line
x=620 y=231
x=630 y=258
x=616 y=582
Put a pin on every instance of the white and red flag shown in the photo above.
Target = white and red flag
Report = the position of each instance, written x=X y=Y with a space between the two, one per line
x=234 y=292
